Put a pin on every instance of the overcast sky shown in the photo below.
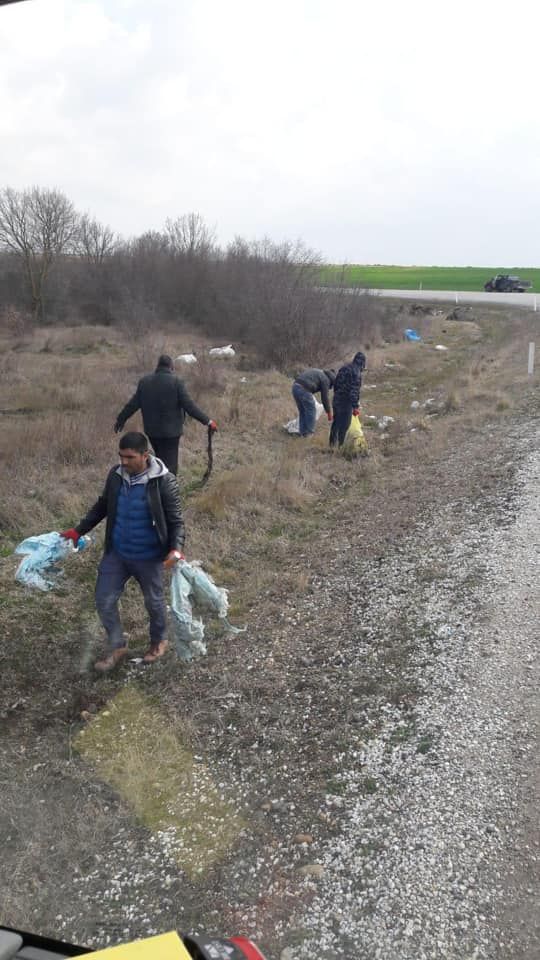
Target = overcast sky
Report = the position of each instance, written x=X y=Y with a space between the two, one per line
x=387 y=132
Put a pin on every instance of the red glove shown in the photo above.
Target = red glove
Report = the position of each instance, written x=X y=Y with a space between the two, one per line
x=330 y=417
x=213 y=425
x=356 y=412
x=172 y=558
x=71 y=535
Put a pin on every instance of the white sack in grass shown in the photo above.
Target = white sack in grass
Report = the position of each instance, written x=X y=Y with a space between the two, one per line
x=191 y=586
x=186 y=358
x=293 y=426
x=222 y=351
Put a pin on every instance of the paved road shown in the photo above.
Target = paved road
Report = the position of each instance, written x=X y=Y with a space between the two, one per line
x=527 y=300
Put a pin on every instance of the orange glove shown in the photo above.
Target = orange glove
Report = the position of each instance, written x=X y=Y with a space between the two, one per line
x=213 y=425
x=356 y=412
x=172 y=559
x=330 y=417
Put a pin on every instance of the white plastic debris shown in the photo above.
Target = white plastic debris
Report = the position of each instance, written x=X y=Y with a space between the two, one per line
x=293 y=426
x=186 y=358
x=440 y=346
x=43 y=556
x=384 y=422
x=191 y=586
x=228 y=351
x=415 y=404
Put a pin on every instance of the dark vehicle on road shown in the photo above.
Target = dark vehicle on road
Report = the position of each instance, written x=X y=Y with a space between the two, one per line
x=506 y=283
x=17 y=945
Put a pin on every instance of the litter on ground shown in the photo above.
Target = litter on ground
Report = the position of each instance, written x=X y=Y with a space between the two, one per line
x=223 y=351
x=293 y=426
x=410 y=334
x=186 y=358
x=441 y=346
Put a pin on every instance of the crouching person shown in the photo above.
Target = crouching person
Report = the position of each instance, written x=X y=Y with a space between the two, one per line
x=144 y=535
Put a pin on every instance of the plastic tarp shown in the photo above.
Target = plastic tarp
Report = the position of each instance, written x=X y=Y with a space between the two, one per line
x=413 y=335
x=42 y=558
x=192 y=587
x=293 y=426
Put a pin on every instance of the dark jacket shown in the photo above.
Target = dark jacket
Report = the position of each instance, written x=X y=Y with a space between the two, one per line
x=163 y=498
x=316 y=380
x=164 y=402
x=348 y=382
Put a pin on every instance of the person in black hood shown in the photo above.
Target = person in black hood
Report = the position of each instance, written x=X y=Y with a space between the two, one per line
x=306 y=384
x=346 y=397
x=164 y=401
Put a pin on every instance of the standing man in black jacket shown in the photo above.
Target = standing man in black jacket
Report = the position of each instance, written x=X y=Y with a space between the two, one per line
x=144 y=535
x=346 y=397
x=164 y=401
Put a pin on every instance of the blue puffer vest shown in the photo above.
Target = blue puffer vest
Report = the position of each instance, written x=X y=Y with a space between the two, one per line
x=134 y=535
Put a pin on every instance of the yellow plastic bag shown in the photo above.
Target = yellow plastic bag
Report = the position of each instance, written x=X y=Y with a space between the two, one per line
x=355 y=442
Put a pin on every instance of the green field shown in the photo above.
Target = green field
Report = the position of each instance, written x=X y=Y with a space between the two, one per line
x=425 y=278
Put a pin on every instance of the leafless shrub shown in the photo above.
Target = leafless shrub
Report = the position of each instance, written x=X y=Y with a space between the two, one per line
x=15 y=322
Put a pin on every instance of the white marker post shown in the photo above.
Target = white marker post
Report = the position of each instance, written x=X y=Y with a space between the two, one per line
x=530 y=369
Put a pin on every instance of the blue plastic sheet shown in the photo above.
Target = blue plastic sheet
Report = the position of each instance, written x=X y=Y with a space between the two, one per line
x=191 y=586
x=411 y=335
x=43 y=557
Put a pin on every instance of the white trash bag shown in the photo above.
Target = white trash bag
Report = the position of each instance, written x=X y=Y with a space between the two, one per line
x=293 y=426
x=222 y=351
x=186 y=358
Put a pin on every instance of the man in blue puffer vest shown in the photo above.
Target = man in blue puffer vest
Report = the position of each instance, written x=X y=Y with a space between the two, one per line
x=144 y=535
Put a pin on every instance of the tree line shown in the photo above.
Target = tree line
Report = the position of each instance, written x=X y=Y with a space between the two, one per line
x=60 y=266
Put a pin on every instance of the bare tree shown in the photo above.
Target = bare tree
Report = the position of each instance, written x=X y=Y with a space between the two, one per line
x=95 y=241
x=189 y=236
x=38 y=226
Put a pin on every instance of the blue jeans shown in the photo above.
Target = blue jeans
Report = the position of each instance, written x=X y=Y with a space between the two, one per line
x=113 y=574
x=307 y=411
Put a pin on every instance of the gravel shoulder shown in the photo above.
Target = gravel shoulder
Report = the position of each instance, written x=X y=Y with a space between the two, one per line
x=441 y=858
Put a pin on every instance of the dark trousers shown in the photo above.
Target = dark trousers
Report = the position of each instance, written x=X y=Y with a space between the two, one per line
x=341 y=422
x=113 y=574
x=307 y=411
x=166 y=448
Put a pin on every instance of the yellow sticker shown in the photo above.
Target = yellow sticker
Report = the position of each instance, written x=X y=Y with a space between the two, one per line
x=167 y=946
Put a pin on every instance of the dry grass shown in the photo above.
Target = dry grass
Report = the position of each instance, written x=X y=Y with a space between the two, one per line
x=60 y=390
